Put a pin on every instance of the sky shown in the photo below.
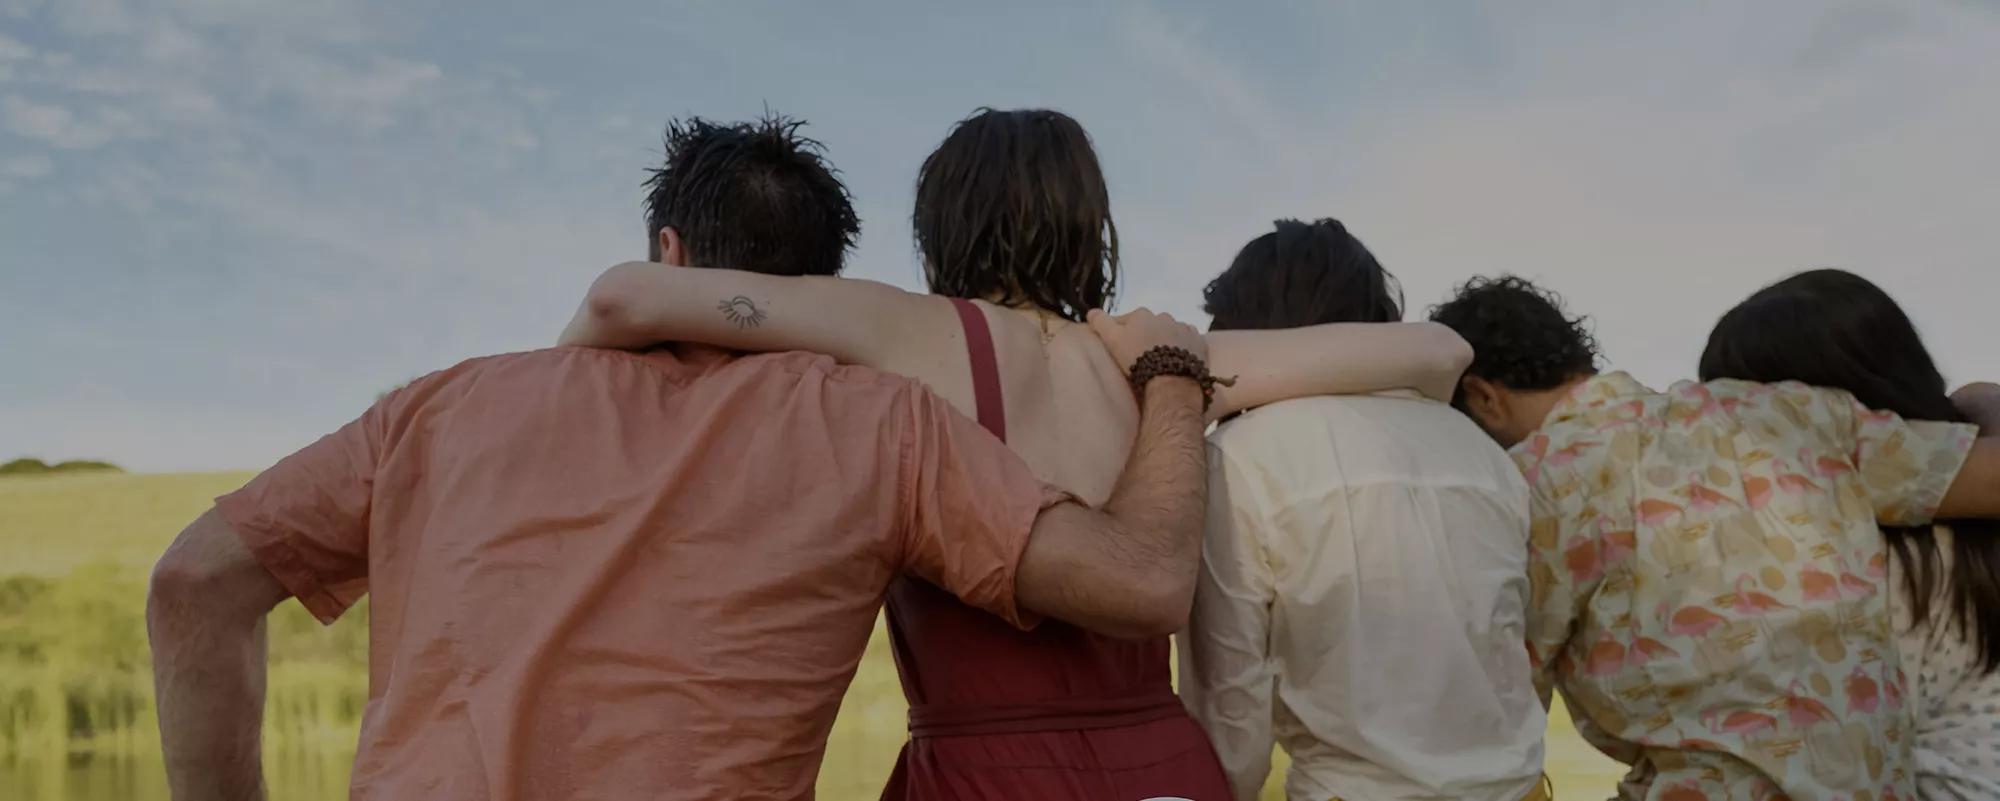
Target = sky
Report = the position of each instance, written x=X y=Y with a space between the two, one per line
x=226 y=225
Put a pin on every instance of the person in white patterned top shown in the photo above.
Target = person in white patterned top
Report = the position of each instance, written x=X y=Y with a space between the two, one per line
x=1947 y=578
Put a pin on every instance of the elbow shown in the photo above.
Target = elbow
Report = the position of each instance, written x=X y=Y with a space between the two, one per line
x=175 y=587
x=1158 y=609
x=186 y=581
x=1451 y=353
x=609 y=303
x=1448 y=357
x=178 y=579
x=1172 y=607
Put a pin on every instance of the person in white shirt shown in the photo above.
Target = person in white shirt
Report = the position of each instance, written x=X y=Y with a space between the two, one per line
x=1364 y=579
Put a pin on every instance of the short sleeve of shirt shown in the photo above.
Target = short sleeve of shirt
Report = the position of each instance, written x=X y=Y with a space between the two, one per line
x=969 y=506
x=1905 y=466
x=306 y=518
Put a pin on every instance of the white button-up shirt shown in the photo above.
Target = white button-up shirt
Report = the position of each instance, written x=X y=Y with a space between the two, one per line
x=1362 y=601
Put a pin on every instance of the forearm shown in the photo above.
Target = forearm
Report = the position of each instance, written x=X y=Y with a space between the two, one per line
x=641 y=304
x=1127 y=569
x=1335 y=359
x=1161 y=500
x=208 y=678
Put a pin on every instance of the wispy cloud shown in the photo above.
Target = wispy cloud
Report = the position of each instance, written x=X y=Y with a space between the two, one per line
x=61 y=127
x=12 y=49
x=32 y=166
x=253 y=216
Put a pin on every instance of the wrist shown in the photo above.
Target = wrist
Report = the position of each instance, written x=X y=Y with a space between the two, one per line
x=1175 y=387
x=1167 y=361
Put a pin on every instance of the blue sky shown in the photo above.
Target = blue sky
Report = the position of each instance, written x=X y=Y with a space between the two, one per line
x=225 y=225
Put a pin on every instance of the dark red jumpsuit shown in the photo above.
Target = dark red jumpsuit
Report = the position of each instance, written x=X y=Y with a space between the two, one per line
x=1055 y=713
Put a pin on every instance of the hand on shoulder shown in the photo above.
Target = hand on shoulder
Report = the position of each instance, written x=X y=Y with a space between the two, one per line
x=1128 y=336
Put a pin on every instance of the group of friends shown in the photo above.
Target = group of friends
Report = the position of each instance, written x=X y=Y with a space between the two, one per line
x=646 y=563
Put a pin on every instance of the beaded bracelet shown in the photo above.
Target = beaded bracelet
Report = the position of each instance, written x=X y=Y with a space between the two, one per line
x=1166 y=360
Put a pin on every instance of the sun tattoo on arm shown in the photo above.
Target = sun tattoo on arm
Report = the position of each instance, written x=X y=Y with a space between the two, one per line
x=742 y=311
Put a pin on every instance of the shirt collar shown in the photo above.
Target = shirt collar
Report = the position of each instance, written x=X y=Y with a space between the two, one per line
x=1599 y=390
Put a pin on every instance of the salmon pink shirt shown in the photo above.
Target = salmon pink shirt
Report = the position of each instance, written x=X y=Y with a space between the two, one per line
x=607 y=575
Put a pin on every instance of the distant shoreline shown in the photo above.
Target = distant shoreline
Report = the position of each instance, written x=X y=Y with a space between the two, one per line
x=31 y=466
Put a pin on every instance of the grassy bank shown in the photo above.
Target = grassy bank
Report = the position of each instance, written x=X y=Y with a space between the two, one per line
x=75 y=682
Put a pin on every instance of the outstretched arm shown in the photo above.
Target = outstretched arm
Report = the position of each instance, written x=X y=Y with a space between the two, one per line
x=640 y=304
x=1335 y=359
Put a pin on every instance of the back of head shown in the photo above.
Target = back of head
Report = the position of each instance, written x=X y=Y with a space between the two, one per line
x=751 y=196
x=1013 y=208
x=1303 y=274
x=1832 y=328
x=1521 y=338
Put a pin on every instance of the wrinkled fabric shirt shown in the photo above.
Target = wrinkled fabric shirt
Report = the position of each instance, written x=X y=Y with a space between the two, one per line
x=1710 y=586
x=606 y=575
x=1362 y=602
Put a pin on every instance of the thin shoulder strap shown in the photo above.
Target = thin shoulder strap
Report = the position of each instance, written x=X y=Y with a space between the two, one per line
x=985 y=368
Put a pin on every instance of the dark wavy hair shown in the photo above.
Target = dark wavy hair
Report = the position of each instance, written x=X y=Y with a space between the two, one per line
x=1012 y=207
x=1303 y=274
x=751 y=196
x=1521 y=338
x=1832 y=328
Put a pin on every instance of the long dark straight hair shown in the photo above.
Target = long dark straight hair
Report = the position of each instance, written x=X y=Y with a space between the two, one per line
x=1835 y=329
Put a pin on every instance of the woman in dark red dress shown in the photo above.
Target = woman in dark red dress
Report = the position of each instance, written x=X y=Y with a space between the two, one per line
x=1013 y=221
x=1013 y=209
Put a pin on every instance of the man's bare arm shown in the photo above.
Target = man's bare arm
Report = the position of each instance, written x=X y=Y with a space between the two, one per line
x=1129 y=568
x=205 y=615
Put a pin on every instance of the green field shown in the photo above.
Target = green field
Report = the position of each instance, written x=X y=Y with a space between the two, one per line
x=76 y=717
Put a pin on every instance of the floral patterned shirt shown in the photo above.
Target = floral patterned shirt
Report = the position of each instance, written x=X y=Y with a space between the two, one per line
x=1708 y=584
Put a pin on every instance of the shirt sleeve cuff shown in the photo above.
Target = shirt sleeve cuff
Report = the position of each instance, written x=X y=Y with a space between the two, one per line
x=268 y=544
x=1945 y=464
x=1009 y=609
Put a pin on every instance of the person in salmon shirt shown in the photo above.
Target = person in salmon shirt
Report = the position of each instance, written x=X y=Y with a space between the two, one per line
x=605 y=574
x=1674 y=545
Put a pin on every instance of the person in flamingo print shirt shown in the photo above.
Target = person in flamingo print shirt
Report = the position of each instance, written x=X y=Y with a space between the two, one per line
x=1707 y=581
x=1944 y=578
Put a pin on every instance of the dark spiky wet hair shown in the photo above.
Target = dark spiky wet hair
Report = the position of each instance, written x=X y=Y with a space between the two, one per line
x=751 y=196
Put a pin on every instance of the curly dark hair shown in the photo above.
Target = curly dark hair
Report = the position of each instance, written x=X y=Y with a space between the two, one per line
x=1013 y=207
x=751 y=196
x=1520 y=336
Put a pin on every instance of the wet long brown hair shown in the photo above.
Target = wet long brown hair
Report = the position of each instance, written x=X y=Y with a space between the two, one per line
x=1013 y=208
